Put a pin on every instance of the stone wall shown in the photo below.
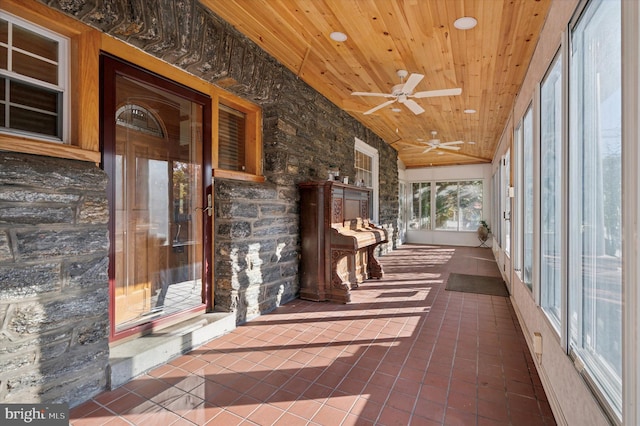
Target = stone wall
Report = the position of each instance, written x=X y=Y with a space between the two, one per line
x=256 y=225
x=54 y=310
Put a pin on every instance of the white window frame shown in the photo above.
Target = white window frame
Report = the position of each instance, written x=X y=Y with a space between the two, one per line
x=596 y=373
x=505 y=194
x=631 y=210
x=370 y=151
x=557 y=319
x=517 y=206
x=64 y=78
x=529 y=164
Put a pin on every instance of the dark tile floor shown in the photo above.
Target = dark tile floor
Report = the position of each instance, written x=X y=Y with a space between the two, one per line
x=405 y=351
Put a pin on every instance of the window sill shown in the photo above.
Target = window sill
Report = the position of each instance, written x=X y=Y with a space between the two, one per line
x=25 y=145
x=229 y=174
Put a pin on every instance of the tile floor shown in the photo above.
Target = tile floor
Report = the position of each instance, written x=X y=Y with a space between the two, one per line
x=404 y=352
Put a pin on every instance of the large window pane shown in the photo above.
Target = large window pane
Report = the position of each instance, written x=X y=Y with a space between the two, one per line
x=458 y=205
x=447 y=206
x=470 y=202
x=595 y=258
x=527 y=193
x=421 y=210
x=551 y=192
x=364 y=169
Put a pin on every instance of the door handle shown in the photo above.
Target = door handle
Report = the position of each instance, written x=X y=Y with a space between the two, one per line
x=209 y=207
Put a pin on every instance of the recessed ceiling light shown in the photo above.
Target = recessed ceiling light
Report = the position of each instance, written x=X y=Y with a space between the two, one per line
x=338 y=36
x=396 y=109
x=471 y=143
x=465 y=23
x=440 y=153
x=469 y=111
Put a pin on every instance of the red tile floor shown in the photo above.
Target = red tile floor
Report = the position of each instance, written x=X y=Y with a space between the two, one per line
x=404 y=352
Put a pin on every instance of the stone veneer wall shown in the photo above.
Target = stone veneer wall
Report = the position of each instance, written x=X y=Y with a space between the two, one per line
x=54 y=299
x=256 y=225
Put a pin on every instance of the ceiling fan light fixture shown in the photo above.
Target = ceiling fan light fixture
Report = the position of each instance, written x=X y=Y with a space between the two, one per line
x=465 y=23
x=338 y=36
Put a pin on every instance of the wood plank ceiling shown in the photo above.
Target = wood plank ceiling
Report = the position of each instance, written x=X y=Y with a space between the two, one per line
x=487 y=62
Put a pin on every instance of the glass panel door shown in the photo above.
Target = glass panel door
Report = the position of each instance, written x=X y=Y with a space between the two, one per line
x=157 y=188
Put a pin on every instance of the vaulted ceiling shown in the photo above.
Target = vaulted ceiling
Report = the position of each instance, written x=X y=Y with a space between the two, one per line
x=488 y=62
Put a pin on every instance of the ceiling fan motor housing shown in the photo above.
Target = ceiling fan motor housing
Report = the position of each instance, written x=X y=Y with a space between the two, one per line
x=397 y=90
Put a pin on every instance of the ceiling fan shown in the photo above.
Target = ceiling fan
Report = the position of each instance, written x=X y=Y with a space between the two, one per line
x=403 y=93
x=434 y=143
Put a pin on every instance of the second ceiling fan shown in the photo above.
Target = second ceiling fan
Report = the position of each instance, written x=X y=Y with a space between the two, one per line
x=403 y=92
x=435 y=143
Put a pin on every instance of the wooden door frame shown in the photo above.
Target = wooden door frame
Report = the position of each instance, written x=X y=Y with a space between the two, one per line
x=110 y=67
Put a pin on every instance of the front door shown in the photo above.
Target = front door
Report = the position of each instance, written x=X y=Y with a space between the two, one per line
x=155 y=141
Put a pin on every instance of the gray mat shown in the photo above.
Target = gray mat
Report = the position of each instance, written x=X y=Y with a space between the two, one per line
x=493 y=286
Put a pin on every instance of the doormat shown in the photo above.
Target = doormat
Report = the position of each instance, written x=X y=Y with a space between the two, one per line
x=493 y=286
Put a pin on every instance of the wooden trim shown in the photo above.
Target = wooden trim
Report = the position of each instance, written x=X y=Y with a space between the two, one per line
x=45 y=16
x=144 y=60
x=85 y=91
x=51 y=149
x=86 y=45
x=83 y=140
x=230 y=174
x=253 y=149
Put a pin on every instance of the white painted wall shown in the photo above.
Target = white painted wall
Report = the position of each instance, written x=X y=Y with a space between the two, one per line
x=571 y=399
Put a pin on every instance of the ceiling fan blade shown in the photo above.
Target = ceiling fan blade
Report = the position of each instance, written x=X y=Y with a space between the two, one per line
x=452 y=143
x=412 y=82
x=382 y=105
x=414 y=107
x=453 y=148
x=431 y=148
x=434 y=93
x=384 y=95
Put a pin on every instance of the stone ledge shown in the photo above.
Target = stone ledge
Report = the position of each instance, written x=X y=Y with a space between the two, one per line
x=136 y=357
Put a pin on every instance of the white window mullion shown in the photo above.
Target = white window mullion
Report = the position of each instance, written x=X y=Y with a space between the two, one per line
x=631 y=211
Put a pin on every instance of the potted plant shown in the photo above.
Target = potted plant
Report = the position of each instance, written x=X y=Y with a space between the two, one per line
x=483 y=232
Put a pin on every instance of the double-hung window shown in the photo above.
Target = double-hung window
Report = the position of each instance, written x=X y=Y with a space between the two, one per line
x=366 y=167
x=33 y=80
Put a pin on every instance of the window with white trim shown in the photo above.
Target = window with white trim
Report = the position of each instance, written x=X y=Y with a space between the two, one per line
x=421 y=206
x=33 y=80
x=527 y=198
x=366 y=166
x=551 y=172
x=595 y=261
x=505 y=195
x=517 y=214
x=458 y=205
